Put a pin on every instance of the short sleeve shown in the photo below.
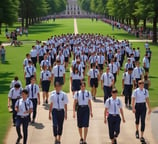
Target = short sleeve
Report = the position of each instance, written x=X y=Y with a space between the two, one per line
x=51 y=99
x=53 y=70
x=146 y=93
x=66 y=99
x=34 y=69
x=9 y=94
x=120 y=103
x=76 y=95
x=134 y=94
x=107 y=103
x=31 y=104
x=90 y=96
x=63 y=69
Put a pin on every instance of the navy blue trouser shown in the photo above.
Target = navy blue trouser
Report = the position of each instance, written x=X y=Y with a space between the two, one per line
x=58 y=120
x=13 y=109
x=34 y=102
x=28 y=80
x=24 y=122
x=107 y=92
x=128 y=94
x=140 y=114
x=114 y=125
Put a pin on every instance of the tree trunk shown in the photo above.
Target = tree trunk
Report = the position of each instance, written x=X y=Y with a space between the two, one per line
x=0 y=28
x=22 y=22
x=27 y=22
x=155 y=28
x=144 y=24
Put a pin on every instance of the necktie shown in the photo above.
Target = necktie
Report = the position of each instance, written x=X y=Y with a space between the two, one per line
x=100 y=59
x=94 y=73
x=139 y=71
x=58 y=100
x=114 y=107
x=32 y=90
x=108 y=79
x=25 y=106
x=130 y=79
x=83 y=95
x=58 y=70
x=112 y=68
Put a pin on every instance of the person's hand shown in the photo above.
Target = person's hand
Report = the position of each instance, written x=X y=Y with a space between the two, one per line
x=38 y=102
x=91 y=114
x=39 y=85
x=149 y=111
x=124 y=120
x=65 y=115
x=105 y=121
x=73 y=114
x=134 y=110
x=50 y=117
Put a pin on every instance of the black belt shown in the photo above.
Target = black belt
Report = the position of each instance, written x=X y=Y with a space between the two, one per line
x=141 y=103
x=23 y=116
x=58 y=109
x=114 y=115
x=83 y=106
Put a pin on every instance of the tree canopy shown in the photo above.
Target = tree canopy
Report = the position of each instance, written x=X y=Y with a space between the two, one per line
x=125 y=11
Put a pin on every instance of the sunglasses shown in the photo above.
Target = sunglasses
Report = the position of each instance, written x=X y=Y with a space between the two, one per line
x=141 y=83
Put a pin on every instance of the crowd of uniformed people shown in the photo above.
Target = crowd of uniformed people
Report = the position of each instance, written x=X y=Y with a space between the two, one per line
x=100 y=58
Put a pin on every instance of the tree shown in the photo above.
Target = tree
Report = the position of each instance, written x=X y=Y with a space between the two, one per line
x=8 y=12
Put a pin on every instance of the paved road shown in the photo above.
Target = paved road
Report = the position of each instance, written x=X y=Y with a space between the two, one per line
x=41 y=131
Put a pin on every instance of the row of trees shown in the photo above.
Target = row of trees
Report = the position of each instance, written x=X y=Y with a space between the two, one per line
x=125 y=11
x=30 y=11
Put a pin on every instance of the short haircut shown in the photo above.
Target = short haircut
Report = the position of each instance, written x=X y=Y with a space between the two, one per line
x=25 y=91
x=17 y=85
x=57 y=84
x=114 y=90
x=83 y=83
x=16 y=78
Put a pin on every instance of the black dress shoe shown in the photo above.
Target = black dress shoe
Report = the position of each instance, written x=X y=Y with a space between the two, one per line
x=137 y=134
x=142 y=140
x=18 y=139
x=115 y=141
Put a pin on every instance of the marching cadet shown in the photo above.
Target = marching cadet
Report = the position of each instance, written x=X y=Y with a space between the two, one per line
x=66 y=56
x=24 y=108
x=30 y=70
x=129 y=64
x=92 y=59
x=15 y=81
x=75 y=79
x=58 y=111
x=26 y=60
x=41 y=53
x=101 y=62
x=128 y=82
x=113 y=105
x=13 y=96
x=137 y=73
x=107 y=81
x=113 y=69
x=139 y=99
x=146 y=64
x=34 y=96
x=33 y=54
x=93 y=80
x=58 y=73
x=84 y=110
x=45 y=80
x=46 y=62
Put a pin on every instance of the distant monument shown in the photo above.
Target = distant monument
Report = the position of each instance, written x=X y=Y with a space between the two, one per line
x=73 y=9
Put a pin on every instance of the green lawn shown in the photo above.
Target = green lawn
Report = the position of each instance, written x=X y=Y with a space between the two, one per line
x=15 y=56
x=87 y=26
